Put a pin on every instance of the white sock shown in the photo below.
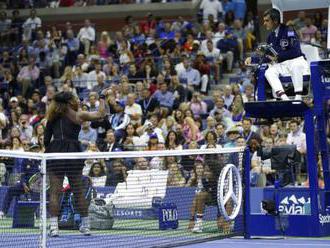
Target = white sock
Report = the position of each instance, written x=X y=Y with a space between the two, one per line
x=53 y=223
x=85 y=221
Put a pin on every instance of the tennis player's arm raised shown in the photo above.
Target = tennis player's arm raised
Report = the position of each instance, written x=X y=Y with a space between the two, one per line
x=93 y=116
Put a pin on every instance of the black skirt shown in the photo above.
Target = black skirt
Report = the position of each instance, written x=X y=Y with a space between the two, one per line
x=65 y=166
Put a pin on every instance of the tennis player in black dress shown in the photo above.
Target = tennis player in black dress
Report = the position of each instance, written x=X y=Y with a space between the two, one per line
x=61 y=135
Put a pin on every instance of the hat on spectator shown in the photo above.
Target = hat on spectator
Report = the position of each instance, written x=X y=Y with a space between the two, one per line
x=13 y=99
x=34 y=146
x=121 y=103
x=196 y=42
x=36 y=91
x=233 y=130
x=153 y=136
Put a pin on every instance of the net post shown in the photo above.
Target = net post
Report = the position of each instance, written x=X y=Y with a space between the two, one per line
x=43 y=205
x=247 y=208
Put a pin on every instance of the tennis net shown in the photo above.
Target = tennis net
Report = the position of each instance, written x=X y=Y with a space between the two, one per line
x=128 y=199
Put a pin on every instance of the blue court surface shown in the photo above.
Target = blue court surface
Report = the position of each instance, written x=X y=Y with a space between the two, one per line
x=105 y=241
x=263 y=243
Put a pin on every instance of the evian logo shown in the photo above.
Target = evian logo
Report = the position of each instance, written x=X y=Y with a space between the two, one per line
x=291 y=205
x=324 y=219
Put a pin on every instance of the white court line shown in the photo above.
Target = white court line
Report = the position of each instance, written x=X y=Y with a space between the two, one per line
x=249 y=243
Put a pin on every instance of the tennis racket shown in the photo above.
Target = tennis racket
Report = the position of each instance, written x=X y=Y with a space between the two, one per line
x=35 y=183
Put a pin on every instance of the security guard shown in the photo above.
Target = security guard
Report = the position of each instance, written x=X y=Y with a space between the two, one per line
x=288 y=58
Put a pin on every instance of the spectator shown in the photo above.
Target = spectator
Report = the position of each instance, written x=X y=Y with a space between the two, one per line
x=175 y=177
x=25 y=128
x=179 y=92
x=257 y=175
x=190 y=130
x=117 y=173
x=92 y=76
x=148 y=103
x=240 y=34
x=16 y=28
x=141 y=164
x=172 y=141
x=37 y=132
x=247 y=133
x=239 y=9
x=27 y=76
x=299 y=22
x=197 y=106
x=131 y=140
x=220 y=34
x=87 y=135
x=165 y=98
x=228 y=96
x=98 y=174
x=133 y=75
x=80 y=79
x=109 y=144
x=103 y=46
x=150 y=127
x=5 y=24
x=228 y=47
x=189 y=76
x=308 y=31
x=220 y=132
x=86 y=37
x=232 y=134
x=237 y=109
x=210 y=141
x=72 y=45
x=133 y=110
x=119 y=120
x=210 y=125
x=296 y=137
x=31 y=26
x=211 y=7
x=101 y=84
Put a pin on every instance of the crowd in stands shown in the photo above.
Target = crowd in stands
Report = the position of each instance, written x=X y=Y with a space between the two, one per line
x=13 y=4
x=158 y=75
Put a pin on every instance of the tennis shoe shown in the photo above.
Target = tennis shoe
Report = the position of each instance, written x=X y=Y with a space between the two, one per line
x=53 y=232
x=197 y=229
x=85 y=230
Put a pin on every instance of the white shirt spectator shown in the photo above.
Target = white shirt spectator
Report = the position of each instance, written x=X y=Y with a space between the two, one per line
x=144 y=138
x=99 y=181
x=299 y=139
x=214 y=54
x=218 y=36
x=86 y=33
x=29 y=25
x=179 y=68
x=92 y=78
x=211 y=7
x=132 y=110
